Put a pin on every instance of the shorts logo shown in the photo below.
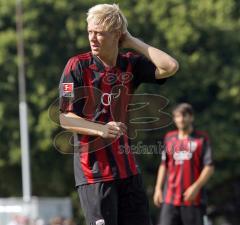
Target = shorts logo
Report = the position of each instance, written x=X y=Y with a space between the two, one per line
x=100 y=222
x=67 y=90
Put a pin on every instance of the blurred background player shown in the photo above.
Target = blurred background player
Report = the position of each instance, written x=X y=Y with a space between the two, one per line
x=186 y=167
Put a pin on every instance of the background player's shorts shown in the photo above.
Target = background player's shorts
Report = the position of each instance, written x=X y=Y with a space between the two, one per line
x=182 y=215
x=118 y=202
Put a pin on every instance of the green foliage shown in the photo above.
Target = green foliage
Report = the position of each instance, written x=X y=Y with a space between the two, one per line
x=202 y=35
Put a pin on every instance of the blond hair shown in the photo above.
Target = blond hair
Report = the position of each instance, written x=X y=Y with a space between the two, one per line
x=110 y=17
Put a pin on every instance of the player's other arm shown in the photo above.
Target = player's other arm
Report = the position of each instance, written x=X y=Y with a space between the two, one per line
x=157 y=197
x=166 y=65
x=191 y=193
x=75 y=123
x=207 y=171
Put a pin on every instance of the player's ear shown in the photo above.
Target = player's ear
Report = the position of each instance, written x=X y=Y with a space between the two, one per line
x=118 y=34
x=120 y=38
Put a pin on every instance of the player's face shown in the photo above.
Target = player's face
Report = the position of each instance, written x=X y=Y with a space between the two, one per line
x=102 y=42
x=183 y=121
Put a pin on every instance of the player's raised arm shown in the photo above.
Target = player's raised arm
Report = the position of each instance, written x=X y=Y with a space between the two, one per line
x=166 y=65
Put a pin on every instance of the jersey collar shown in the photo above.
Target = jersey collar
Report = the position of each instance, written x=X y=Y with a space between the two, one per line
x=100 y=66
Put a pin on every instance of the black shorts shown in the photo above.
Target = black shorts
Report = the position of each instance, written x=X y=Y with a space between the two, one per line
x=118 y=202
x=182 y=215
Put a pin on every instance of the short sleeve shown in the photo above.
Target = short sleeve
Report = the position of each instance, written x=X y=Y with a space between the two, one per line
x=70 y=82
x=207 y=158
x=164 y=156
x=144 y=71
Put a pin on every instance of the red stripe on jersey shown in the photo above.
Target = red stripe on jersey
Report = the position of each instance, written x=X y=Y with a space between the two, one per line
x=119 y=159
x=177 y=196
x=101 y=158
x=197 y=165
x=186 y=177
x=104 y=166
x=71 y=65
x=72 y=62
x=170 y=181
x=84 y=159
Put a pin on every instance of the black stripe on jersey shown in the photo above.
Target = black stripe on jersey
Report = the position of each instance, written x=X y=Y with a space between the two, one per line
x=123 y=63
x=96 y=84
x=79 y=71
x=77 y=164
x=182 y=183
x=124 y=154
x=98 y=62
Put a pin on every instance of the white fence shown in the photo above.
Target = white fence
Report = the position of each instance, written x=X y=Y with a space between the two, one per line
x=44 y=208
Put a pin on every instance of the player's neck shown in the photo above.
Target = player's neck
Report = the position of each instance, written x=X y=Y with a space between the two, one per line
x=184 y=133
x=109 y=60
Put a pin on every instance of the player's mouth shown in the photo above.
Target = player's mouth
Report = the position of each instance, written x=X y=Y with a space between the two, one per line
x=95 y=47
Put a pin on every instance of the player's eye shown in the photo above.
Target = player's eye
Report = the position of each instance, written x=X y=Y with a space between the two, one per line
x=100 y=33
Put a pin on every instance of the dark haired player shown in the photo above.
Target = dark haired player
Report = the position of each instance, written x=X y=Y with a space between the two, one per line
x=186 y=167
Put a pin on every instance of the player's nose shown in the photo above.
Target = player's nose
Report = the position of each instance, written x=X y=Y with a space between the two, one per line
x=92 y=36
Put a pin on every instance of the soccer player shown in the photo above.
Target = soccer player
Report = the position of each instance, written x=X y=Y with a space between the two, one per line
x=94 y=95
x=186 y=167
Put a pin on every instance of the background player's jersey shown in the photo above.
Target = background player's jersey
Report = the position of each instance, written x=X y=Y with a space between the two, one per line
x=184 y=160
x=101 y=95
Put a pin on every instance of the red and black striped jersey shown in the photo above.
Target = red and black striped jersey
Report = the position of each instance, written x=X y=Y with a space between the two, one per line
x=100 y=94
x=184 y=160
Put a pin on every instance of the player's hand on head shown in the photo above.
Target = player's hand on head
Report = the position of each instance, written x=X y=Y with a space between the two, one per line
x=113 y=129
x=125 y=40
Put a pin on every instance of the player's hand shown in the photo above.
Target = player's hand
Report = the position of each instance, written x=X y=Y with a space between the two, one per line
x=158 y=197
x=191 y=193
x=126 y=40
x=113 y=130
